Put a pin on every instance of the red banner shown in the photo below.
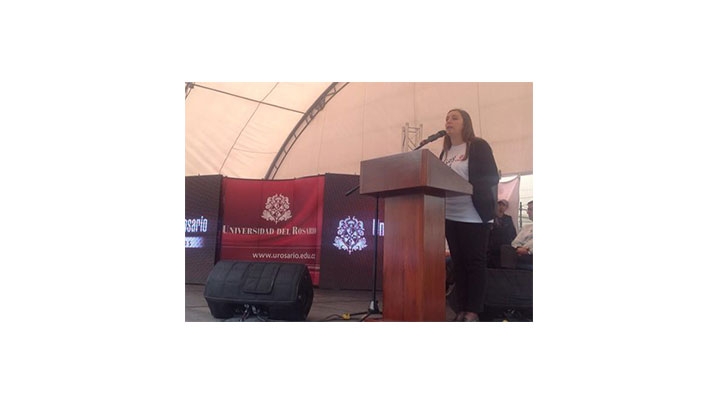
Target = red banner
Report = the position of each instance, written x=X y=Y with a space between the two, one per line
x=273 y=221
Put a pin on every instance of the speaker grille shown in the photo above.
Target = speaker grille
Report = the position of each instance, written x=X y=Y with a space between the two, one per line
x=281 y=290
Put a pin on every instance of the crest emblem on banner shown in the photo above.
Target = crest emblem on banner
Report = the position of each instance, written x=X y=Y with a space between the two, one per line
x=350 y=235
x=277 y=208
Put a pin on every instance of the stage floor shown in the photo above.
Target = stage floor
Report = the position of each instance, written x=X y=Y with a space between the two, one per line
x=327 y=306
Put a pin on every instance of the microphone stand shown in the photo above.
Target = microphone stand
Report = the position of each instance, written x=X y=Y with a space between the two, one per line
x=374 y=307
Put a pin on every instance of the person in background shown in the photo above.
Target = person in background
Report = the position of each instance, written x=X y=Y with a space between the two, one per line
x=468 y=217
x=502 y=233
x=519 y=254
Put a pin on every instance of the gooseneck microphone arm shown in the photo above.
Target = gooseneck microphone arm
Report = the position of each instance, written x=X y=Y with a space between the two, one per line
x=431 y=138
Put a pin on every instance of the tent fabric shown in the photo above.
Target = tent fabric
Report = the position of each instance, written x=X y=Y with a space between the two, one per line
x=237 y=129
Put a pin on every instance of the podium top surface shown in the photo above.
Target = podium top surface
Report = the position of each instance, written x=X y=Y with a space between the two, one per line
x=411 y=172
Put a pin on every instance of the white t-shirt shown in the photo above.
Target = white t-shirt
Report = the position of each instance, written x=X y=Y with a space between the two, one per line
x=459 y=208
x=524 y=238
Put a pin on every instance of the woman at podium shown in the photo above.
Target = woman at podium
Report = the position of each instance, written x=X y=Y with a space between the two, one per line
x=468 y=217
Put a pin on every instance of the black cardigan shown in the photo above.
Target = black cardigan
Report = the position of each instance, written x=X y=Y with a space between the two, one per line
x=483 y=175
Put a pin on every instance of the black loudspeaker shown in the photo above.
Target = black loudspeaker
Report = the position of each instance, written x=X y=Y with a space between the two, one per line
x=281 y=291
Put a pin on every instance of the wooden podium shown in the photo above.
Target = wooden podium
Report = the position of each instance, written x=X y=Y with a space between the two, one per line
x=414 y=186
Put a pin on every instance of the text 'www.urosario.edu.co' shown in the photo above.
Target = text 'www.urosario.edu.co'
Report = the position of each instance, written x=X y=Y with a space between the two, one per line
x=296 y=256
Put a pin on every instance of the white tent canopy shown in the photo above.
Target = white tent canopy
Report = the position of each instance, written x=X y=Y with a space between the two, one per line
x=288 y=130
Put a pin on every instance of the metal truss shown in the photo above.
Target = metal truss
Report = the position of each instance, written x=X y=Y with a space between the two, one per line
x=411 y=137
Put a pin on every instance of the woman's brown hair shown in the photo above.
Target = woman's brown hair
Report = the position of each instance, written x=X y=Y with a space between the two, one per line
x=467 y=132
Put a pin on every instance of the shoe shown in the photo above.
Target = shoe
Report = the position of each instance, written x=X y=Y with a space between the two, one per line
x=471 y=317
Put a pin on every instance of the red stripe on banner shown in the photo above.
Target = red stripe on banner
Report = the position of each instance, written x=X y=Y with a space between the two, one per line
x=273 y=221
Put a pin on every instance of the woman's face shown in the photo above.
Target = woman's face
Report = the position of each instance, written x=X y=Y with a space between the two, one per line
x=454 y=123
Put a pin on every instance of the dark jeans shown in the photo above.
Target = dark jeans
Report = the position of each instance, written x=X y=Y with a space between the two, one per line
x=468 y=244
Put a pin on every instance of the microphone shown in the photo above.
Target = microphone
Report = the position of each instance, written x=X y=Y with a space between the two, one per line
x=431 y=138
